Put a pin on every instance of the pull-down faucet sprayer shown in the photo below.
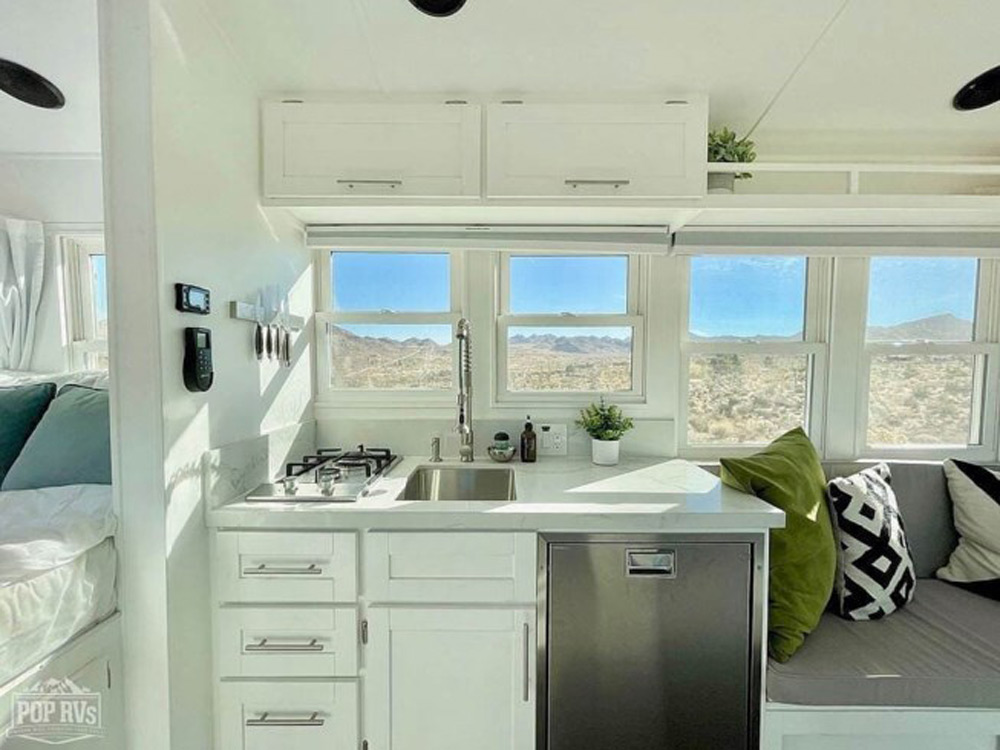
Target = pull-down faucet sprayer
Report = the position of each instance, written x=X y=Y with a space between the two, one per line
x=463 y=334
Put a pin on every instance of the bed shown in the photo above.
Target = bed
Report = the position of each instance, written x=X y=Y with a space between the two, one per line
x=58 y=570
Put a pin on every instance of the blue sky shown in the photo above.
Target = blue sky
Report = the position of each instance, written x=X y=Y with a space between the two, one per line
x=739 y=296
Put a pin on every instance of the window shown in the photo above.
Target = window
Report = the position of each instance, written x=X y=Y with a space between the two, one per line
x=569 y=324
x=750 y=353
x=926 y=371
x=389 y=319
x=85 y=301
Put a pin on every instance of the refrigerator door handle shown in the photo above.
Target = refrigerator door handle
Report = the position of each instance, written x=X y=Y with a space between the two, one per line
x=659 y=563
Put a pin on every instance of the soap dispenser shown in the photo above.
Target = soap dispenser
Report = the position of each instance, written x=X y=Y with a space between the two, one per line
x=529 y=443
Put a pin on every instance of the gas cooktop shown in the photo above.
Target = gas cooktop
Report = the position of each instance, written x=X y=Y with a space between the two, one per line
x=330 y=475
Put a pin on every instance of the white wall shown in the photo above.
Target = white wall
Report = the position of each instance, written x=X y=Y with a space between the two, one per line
x=182 y=186
x=60 y=190
x=211 y=231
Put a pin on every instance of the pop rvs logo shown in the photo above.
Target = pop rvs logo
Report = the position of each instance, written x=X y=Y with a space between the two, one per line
x=56 y=712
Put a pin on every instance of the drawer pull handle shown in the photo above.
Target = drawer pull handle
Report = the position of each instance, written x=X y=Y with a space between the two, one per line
x=263 y=645
x=386 y=183
x=660 y=563
x=267 y=570
x=586 y=183
x=264 y=721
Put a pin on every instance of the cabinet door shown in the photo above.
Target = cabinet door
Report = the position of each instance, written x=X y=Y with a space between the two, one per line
x=288 y=715
x=450 y=679
x=372 y=150
x=583 y=151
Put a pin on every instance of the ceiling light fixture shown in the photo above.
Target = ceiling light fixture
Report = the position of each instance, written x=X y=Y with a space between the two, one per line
x=28 y=86
x=981 y=91
x=438 y=8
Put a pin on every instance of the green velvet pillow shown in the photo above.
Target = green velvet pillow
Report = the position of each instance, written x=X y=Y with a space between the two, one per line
x=788 y=475
x=21 y=409
x=71 y=445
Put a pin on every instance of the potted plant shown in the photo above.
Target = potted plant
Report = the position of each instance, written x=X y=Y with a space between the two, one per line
x=724 y=146
x=605 y=424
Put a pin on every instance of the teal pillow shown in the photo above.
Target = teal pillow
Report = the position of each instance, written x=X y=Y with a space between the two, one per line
x=71 y=444
x=21 y=409
x=803 y=555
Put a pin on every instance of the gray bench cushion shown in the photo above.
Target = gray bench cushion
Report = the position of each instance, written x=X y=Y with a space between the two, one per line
x=942 y=650
x=922 y=493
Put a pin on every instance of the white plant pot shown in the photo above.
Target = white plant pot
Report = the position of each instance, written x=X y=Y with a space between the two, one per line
x=605 y=452
x=721 y=183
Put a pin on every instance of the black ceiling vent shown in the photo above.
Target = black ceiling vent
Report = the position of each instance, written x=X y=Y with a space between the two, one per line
x=28 y=86
x=981 y=91
x=438 y=8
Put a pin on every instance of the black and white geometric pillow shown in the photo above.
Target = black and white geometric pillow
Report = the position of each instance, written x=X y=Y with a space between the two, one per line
x=975 y=496
x=875 y=574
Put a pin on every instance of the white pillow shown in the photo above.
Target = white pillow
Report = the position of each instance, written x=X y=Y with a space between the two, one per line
x=975 y=497
x=88 y=378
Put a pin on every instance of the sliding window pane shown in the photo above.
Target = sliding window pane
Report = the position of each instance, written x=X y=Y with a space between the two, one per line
x=99 y=296
x=569 y=359
x=400 y=282
x=922 y=299
x=745 y=398
x=390 y=357
x=582 y=285
x=735 y=298
x=921 y=399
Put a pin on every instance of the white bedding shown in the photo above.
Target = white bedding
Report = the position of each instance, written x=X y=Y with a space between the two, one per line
x=45 y=528
x=41 y=613
x=89 y=378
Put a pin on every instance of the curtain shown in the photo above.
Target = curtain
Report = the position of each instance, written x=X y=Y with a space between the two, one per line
x=22 y=267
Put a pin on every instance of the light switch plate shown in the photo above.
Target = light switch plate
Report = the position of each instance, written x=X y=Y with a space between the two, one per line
x=552 y=440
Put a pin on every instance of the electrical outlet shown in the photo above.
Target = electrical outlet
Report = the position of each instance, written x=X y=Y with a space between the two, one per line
x=552 y=440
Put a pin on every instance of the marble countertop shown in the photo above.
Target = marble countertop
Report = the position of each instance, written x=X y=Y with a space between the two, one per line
x=554 y=494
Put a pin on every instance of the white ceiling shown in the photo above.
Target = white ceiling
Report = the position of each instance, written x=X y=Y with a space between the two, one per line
x=881 y=80
x=57 y=38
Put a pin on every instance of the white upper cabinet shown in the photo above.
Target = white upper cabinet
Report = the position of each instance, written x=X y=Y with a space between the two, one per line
x=372 y=151
x=597 y=151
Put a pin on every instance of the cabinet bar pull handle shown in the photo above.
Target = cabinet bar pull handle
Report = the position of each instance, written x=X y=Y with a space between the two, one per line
x=264 y=721
x=351 y=183
x=527 y=661
x=613 y=183
x=267 y=570
x=364 y=632
x=263 y=645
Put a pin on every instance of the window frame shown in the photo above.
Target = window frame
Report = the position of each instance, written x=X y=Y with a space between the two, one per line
x=326 y=316
x=986 y=374
x=77 y=298
x=634 y=317
x=813 y=346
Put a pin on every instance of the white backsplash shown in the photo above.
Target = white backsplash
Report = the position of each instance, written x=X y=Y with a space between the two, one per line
x=233 y=470
x=412 y=437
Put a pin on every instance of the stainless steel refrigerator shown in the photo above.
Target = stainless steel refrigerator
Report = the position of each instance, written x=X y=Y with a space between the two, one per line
x=649 y=642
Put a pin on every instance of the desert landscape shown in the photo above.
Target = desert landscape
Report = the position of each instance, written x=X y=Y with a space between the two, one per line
x=732 y=398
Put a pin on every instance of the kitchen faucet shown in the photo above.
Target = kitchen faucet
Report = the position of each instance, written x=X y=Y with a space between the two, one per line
x=463 y=334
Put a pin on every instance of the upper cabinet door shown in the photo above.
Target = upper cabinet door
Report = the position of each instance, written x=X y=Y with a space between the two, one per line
x=392 y=151
x=583 y=151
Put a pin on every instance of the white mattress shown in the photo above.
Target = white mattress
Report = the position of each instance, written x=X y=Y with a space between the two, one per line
x=57 y=569
x=40 y=613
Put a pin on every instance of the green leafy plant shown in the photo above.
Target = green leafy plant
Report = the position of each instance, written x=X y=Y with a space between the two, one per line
x=604 y=421
x=724 y=146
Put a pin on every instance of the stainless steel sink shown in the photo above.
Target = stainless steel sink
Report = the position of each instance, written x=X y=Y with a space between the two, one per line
x=465 y=483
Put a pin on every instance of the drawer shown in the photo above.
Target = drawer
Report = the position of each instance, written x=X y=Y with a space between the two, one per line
x=288 y=715
x=450 y=567
x=287 y=642
x=260 y=567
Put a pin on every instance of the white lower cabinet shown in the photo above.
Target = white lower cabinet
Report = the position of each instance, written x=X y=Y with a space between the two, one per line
x=288 y=716
x=450 y=679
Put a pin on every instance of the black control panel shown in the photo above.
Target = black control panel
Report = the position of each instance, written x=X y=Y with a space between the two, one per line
x=189 y=298
x=198 y=372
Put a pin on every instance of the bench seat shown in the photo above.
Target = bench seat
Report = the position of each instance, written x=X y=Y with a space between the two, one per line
x=942 y=650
